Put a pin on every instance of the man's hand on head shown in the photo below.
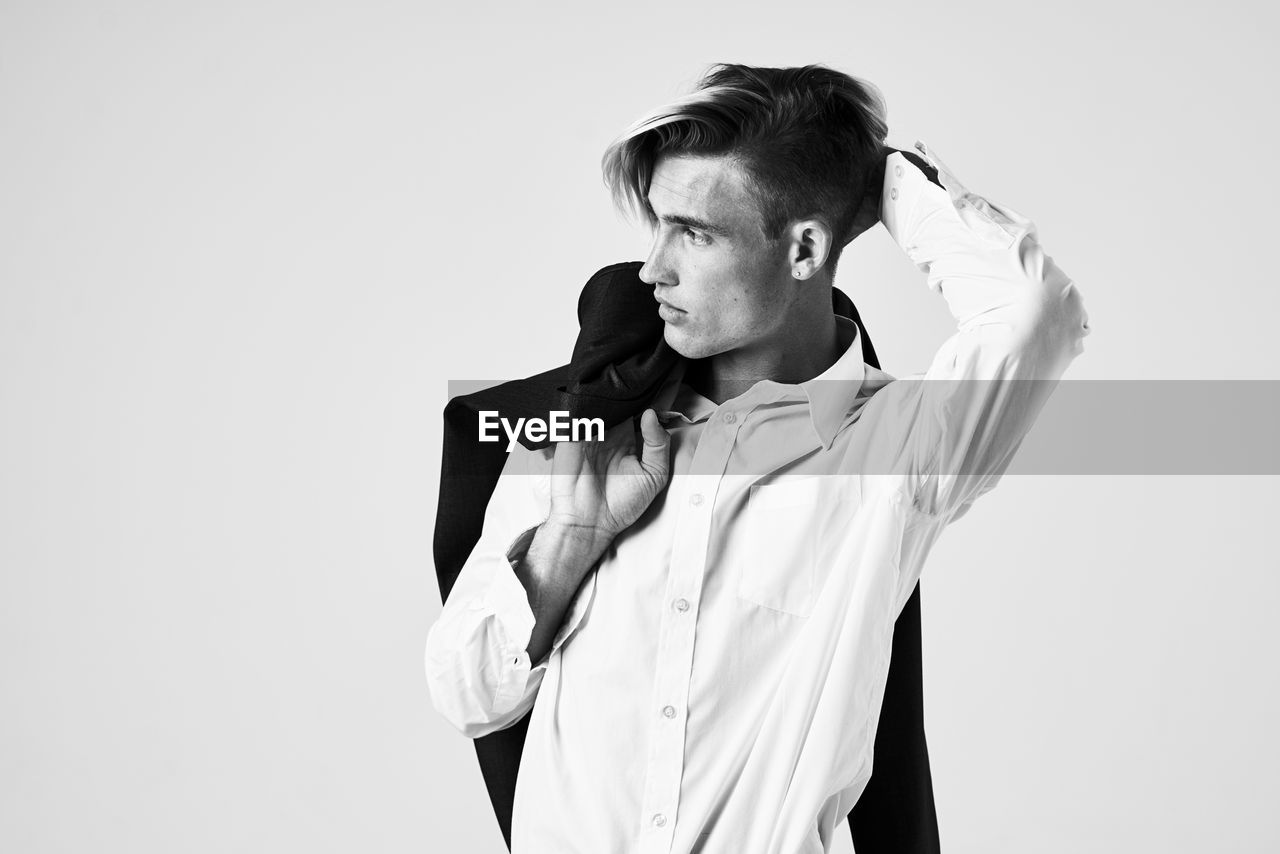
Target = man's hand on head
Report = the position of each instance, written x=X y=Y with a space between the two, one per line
x=869 y=212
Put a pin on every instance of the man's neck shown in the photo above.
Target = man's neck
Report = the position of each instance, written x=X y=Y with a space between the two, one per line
x=804 y=350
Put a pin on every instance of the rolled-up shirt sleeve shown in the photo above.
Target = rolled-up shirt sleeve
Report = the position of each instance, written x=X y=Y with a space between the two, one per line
x=477 y=664
x=1020 y=322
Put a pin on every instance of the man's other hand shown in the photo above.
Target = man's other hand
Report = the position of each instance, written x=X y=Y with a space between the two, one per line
x=599 y=489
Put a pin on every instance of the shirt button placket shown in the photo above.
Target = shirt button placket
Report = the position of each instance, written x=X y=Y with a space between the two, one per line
x=661 y=797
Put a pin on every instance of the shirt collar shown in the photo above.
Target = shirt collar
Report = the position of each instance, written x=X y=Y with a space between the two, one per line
x=834 y=392
x=832 y=395
x=675 y=399
x=667 y=391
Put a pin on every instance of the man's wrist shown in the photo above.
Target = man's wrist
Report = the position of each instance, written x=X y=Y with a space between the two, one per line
x=566 y=549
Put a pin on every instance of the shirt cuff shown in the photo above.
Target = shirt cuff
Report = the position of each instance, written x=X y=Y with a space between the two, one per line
x=928 y=219
x=507 y=598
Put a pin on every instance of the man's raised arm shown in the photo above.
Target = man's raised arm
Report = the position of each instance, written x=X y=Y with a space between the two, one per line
x=1020 y=322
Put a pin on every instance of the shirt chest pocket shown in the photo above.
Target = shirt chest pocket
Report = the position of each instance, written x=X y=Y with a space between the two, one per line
x=786 y=522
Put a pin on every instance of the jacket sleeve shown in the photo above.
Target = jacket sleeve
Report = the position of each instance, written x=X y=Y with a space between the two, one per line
x=1020 y=322
x=477 y=665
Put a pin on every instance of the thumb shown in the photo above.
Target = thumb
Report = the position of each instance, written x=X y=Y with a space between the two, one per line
x=655 y=454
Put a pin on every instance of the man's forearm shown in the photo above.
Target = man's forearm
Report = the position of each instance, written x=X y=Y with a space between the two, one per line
x=558 y=559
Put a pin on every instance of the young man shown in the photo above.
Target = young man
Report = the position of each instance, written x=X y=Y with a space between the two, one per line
x=700 y=615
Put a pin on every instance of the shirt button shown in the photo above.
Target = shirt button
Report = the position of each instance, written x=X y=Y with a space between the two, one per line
x=897 y=170
x=729 y=418
x=681 y=605
x=893 y=192
x=659 y=820
x=695 y=499
x=669 y=711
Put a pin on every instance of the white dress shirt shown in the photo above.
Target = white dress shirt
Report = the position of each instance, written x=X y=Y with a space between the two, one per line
x=717 y=681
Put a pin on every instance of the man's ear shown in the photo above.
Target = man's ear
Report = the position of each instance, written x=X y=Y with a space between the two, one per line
x=811 y=242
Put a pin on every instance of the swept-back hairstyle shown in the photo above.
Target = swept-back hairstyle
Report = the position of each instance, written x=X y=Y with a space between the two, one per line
x=806 y=139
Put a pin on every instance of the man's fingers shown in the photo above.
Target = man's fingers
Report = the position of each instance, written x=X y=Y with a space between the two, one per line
x=567 y=458
x=655 y=451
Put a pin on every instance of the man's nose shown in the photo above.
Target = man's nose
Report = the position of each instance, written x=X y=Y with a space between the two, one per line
x=655 y=270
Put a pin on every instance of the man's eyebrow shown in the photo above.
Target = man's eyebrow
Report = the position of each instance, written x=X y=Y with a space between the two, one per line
x=694 y=222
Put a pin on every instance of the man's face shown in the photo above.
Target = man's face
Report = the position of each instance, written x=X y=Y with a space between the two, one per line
x=720 y=283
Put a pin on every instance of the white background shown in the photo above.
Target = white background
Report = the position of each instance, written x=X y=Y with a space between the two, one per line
x=245 y=245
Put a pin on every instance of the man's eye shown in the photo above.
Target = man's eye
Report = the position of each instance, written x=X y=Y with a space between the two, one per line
x=697 y=237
